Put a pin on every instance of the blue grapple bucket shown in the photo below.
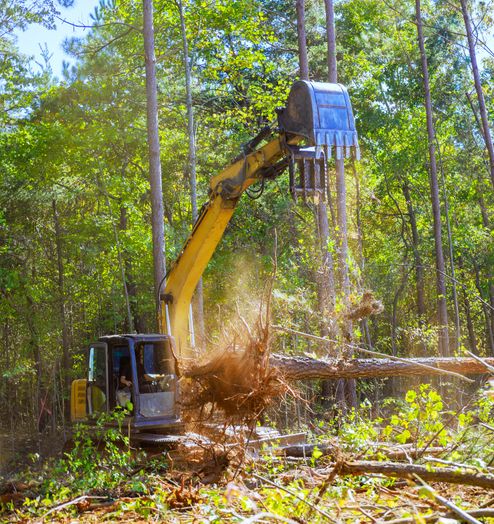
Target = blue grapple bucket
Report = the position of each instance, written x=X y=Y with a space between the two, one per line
x=322 y=113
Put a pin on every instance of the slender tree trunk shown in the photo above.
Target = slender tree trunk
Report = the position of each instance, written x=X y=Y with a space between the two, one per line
x=199 y=300
x=36 y=355
x=489 y=332
x=486 y=223
x=419 y=268
x=470 y=327
x=360 y=240
x=442 y=311
x=478 y=88
x=130 y=288
x=490 y=279
x=451 y=250
x=331 y=34
x=121 y=264
x=396 y=299
x=325 y=275
x=341 y=216
x=158 y=226
x=302 y=40
x=62 y=309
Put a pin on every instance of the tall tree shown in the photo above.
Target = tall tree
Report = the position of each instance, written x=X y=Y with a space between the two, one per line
x=303 y=60
x=158 y=225
x=478 y=87
x=349 y=386
x=62 y=304
x=442 y=311
x=419 y=266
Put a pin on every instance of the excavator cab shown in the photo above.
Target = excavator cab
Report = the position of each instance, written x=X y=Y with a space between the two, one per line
x=132 y=372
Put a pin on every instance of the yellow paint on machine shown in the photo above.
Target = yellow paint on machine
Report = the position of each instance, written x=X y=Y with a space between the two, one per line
x=78 y=400
x=226 y=189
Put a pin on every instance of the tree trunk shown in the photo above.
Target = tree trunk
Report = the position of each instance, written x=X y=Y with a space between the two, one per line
x=490 y=279
x=341 y=217
x=331 y=34
x=396 y=299
x=360 y=240
x=454 y=294
x=199 y=300
x=485 y=309
x=411 y=471
x=302 y=41
x=305 y=368
x=62 y=310
x=468 y=314
x=325 y=275
x=442 y=312
x=419 y=268
x=470 y=327
x=486 y=223
x=157 y=220
x=121 y=265
x=478 y=88
x=134 y=320
x=36 y=355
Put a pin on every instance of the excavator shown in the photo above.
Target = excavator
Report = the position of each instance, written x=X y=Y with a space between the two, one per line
x=316 y=122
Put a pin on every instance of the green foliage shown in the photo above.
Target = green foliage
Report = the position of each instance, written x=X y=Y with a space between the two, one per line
x=80 y=144
x=420 y=419
x=99 y=460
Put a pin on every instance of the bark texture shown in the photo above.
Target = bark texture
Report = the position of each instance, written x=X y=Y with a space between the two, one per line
x=330 y=30
x=62 y=304
x=192 y=164
x=419 y=268
x=408 y=471
x=478 y=88
x=305 y=368
x=158 y=225
x=302 y=40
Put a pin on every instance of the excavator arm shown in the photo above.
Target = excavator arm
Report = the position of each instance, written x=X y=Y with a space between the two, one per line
x=318 y=114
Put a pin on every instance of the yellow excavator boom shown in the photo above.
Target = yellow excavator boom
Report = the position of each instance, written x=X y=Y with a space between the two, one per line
x=319 y=114
x=225 y=191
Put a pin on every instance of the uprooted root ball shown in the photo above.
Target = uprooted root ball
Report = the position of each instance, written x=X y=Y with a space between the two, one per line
x=239 y=382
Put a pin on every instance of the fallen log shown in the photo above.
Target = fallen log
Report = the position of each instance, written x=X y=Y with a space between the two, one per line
x=332 y=450
x=305 y=368
x=410 y=471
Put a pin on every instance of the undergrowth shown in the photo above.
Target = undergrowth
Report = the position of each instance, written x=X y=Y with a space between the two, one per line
x=101 y=463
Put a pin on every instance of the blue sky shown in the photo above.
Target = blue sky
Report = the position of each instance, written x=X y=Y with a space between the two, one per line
x=29 y=41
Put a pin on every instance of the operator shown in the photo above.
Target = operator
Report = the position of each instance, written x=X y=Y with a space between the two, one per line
x=124 y=383
x=125 y=374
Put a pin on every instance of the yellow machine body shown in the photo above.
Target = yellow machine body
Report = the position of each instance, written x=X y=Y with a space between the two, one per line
x=78 y=400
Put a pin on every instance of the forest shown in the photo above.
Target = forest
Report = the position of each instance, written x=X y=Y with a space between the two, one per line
x=336 y=363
